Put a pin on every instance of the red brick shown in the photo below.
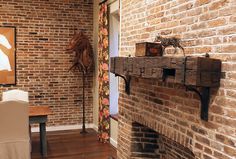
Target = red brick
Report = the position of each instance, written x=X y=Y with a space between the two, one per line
x=198 y=146
x=217 y=22
x=225 y=140
x=201 y=2
x=217 y=109
x=230 y=151
x=220 y=155
x=218 y=4
x=227 y=31
x=233 y=18
x=207 y=150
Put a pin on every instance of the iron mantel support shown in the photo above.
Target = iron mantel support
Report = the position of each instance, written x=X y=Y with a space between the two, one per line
x=127 y=82
x=204 y=96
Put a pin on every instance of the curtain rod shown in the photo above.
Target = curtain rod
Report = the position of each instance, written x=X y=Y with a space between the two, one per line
x=102 y=2
x=109 y=1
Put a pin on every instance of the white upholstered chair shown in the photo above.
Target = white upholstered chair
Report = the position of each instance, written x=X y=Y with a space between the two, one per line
x=14 y=131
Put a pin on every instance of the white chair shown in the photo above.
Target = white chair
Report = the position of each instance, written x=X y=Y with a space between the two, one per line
x=14 y=132
x=15 y=95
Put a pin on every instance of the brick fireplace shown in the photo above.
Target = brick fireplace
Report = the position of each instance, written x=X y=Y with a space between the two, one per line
x=166 y=111
x=151 y=124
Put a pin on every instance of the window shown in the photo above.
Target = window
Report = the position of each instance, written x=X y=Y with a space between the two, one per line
x=114 y=30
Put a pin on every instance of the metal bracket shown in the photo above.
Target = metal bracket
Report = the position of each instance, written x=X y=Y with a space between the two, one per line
x=204 y=96
x=127 y=82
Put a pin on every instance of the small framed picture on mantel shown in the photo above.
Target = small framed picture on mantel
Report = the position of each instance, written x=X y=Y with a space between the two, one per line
x=7 y=55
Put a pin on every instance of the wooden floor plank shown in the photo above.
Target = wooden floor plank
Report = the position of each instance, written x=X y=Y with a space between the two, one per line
x=73 y=145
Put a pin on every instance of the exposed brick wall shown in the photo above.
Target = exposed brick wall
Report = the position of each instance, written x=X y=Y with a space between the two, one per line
x=44 y=28
x=205 y=26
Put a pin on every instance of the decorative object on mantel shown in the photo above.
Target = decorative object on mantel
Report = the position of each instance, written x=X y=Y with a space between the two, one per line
x=192 y=72
x=166 y=42
x=148 y=49
x=83 y=60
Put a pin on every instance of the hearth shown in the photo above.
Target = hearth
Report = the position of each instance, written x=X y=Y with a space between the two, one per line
x=149 y=144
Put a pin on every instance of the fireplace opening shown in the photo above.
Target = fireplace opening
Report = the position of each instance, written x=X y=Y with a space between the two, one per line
x=147 y=143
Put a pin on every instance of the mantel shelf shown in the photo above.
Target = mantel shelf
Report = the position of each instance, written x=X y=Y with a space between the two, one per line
x=190 y=71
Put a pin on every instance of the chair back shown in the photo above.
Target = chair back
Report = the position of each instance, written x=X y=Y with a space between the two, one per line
x=14 y=120
x=14 y=131
x=15 y=95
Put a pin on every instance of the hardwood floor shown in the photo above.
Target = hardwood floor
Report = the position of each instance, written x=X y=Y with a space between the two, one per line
x=73 y=145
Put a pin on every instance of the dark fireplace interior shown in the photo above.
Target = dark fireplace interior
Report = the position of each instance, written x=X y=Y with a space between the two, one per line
x=147 y=143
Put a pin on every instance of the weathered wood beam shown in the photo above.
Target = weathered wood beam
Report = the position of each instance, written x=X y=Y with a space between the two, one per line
x=194 y=71
x=190 y=71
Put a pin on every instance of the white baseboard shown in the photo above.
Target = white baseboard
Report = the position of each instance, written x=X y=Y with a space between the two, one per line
x=65 y=127
x=95 y=127
x=113 y=142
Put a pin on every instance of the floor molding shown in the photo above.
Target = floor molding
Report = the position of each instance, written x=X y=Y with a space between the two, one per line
x=65 y=127
x=95 y=127
x=113 y=142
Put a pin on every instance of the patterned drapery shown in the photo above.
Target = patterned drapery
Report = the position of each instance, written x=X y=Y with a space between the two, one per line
x=103 y=75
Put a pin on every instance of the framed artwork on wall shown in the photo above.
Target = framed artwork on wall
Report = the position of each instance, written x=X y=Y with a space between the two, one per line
x=7 y=55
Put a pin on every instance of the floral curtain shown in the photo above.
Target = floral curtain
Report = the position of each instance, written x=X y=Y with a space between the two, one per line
x=103 y=74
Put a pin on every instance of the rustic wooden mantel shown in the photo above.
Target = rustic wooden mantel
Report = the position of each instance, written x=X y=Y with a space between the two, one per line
x=190 y=71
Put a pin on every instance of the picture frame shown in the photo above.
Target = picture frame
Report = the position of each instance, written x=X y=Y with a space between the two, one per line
x=7 y=55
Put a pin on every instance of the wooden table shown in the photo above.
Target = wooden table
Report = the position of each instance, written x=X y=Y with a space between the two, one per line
x=39 y=115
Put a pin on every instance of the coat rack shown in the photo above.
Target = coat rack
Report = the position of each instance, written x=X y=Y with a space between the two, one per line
x=83 y=61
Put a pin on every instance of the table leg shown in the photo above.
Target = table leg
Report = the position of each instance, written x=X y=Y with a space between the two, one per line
x=43 y=139
x=30 y=135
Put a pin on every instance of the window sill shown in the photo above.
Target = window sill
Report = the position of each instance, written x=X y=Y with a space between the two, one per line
x=114 y=116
